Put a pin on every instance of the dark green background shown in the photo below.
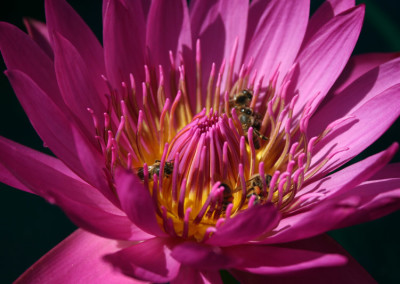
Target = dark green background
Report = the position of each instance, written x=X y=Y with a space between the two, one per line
x=29 y=226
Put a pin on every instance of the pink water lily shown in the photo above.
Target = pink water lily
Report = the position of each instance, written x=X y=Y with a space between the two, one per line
x=203 y=138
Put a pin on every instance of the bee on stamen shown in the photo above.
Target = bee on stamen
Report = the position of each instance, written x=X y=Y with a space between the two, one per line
x=248 y=118
x=254 y=187
x=241 y=99
x=154 y=169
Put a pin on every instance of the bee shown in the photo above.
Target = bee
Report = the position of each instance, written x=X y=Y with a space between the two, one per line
x=254 y=187
x=241 y=99
x=154 y=169
x=248 y=118
x=227 y=196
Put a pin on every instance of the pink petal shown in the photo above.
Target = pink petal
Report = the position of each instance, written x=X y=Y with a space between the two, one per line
x=137 y=202
x=61 y=18
x=323 y=59
x=360 y=91
x=352 y=272
x=245 y=227
x=77 y=259
x=217 y=24
x=149 y=260
x=373 y=118
x=197 y=277
x=76 y=86
x=275 y=33
x=326 y=12
x=39 y=33
x=53 y=127
x=358 y=65
x=343 y=180
x=287 y=258
x=168 y=27
x=203 y=257
x=22 y=53
x=83 y=204
x=389 y=171
x=124 y=41
x=367 y=201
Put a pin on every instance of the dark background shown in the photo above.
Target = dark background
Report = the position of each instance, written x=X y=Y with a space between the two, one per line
x=29 y=226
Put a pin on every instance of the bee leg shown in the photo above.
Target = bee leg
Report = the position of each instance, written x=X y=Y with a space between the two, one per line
x=260 y=135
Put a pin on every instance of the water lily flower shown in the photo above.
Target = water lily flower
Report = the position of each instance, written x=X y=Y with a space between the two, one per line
x=203 y=138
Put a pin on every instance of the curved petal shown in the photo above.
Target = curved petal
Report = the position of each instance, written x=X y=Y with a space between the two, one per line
x=203 y=257
x=61 y=18
x=274 y=34
x=367 y=201
x=124 y=41
x=389 y=171
x=326 y=12
x=372 y=119
x=22 y=53
x=137 y=202
x=149 y=260
x=363 y=89
x=352 y=272
x=341 y=181
x=39 y=33
x=245 y=226
x=327 y=53
x=187 y=274
x=168 y=26
x=77 y=259
x=83 y=204
x=76 y=86
x=287 y=258
x=359 y=65
x=218 y=24
x=56 y=131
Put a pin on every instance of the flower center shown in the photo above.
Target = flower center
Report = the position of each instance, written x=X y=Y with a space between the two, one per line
x=243 y=149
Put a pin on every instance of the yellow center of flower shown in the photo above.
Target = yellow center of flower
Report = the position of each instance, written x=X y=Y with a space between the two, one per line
x=236 y=145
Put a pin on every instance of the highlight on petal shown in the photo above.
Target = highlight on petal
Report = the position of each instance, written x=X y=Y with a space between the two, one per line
x=351 y=272
x=154 y=263
x=84 y=263
x=39 y=33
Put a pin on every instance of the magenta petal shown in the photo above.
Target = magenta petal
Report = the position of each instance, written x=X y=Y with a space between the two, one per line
x=351 y=272
x=202 y=256
x=326 y=12
x=149 y=260
x=326 y=54
x=372 y=120
x=358 y=65
x=187 y=273
x=168 y=26
x=217 y=24
x=76 y=86
x=39 y=33
x=389 y=171
x=77 y=259
x=286 y=258
x=124 y=41
x=61 y=18
x=245 y=227
x=137 y=202
x=343 y=180
x=275 y=33
x=22 y=53
x=368 y=201
x=56 y=130
x=83 y=204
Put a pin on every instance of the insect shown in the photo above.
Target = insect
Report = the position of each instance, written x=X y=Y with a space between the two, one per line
x=254 y=187
x=154 y=169
x=248 y=118
x=241 y=99
x=227 y=196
